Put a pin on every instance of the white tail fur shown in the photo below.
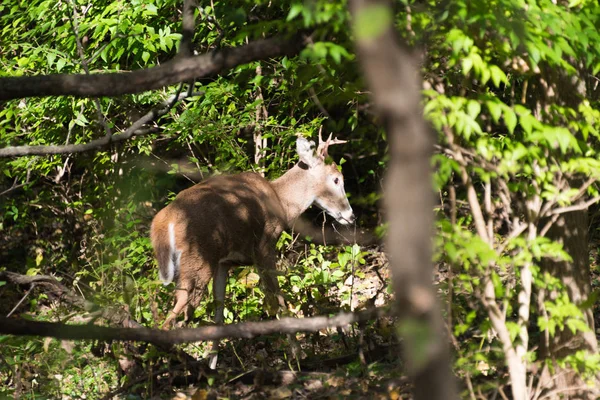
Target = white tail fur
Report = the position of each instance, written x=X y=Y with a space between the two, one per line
x=173 y=264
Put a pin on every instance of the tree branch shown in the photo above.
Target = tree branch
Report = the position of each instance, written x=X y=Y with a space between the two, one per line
x=133 y=130
x=476 y=210
x=13 y=326
x=174 y=71
x=576 y=207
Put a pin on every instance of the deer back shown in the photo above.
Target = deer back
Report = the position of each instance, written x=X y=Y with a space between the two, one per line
x=221 y=217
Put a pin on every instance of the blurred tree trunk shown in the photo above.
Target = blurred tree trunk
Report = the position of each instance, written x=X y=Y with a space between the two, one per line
x=571 y=230
x=393 y=79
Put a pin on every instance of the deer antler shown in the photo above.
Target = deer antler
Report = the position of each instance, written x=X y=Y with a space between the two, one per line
x=323 y=145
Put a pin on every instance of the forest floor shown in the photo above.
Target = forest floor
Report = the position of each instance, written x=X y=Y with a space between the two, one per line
x=359 y=362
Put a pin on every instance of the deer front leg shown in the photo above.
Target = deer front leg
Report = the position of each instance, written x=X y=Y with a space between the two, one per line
x=219 y=286
x=274 y=300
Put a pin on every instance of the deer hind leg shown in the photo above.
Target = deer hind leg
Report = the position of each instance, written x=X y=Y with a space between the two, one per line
x=182 y=296
x=219 y=286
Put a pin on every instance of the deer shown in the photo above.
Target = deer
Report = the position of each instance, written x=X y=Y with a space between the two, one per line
x=236 y=220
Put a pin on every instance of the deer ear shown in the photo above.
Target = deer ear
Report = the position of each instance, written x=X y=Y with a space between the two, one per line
x=306 y=151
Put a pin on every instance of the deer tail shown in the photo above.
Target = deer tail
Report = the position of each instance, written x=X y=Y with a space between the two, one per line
x=167 y=254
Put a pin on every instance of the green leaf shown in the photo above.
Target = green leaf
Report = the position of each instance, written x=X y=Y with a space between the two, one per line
x=498 y=76
x=60 y=64
x=473 y=108
x=467 y=64
x=295 y=10
x=150 y=9
x=495 y=109
x=510 y=119
x=338 y=273
x=50 y=57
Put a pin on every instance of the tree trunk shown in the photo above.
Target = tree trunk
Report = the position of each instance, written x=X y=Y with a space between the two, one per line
x=392 y=76
x=571 y=230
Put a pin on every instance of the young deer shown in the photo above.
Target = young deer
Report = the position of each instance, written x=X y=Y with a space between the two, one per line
x=236 y=220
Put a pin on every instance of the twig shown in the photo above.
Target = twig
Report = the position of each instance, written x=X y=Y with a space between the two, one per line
x=15 y=186
x=470 y=386
x=124 y=388
x=20 y=301
x=488 y=210
x=502 y=394
x=551 y=394
x=549 y=224
x=215 y=21
x=471 y=194
x=313 y=96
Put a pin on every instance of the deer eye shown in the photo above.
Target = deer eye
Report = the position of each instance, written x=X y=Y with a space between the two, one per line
x=336 y=180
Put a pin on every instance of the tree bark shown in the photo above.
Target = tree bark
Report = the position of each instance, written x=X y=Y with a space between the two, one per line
x=247 y=330
x=175 y=71
x=571 y=230
x=393 y=79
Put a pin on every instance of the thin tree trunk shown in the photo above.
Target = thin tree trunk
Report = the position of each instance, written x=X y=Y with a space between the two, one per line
x=260 y=143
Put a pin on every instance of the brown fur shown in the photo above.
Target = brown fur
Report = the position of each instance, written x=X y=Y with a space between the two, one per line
x=230 y=220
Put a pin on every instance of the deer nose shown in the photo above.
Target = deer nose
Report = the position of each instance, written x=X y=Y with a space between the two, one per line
x=347 y=217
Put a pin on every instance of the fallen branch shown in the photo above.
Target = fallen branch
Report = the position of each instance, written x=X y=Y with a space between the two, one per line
x=169 y=73
x=13 y=326
x=55 y=287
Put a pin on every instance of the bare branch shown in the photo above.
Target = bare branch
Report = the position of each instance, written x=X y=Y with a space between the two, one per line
x=133 y=130
x=478 y=218
x=576 y=207
x=13 y=326
x=498 y=322
x=174 y=71
x=16 y=186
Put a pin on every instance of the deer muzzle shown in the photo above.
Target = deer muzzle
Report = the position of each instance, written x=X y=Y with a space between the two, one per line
x=346 y=217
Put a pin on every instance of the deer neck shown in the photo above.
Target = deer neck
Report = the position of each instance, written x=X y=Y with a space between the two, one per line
x=295 y=192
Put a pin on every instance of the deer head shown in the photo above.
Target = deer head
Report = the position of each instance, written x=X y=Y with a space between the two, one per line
x=327 y=182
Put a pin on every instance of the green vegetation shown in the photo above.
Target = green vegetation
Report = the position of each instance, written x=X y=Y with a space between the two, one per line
x=510 y=87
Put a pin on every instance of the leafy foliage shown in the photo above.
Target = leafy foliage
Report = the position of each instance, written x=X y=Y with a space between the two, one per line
x=85 y=217
x=510 y=87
